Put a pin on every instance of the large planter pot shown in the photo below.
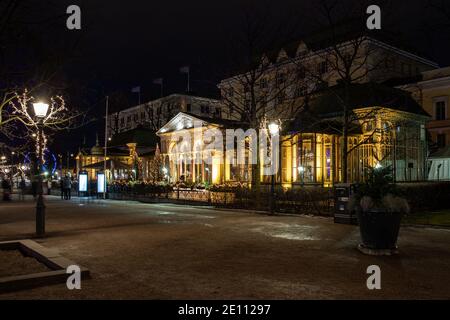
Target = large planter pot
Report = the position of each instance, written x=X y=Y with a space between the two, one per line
x=379 y=229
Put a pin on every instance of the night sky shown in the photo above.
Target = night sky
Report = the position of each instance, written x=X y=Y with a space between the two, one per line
x=124 y=44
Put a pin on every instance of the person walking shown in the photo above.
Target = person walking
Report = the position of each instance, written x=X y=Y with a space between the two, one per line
x=22 y=188
x=67 y=188
x=34 y=187
x=49 y=187
x=6 y=189
x=61 y=186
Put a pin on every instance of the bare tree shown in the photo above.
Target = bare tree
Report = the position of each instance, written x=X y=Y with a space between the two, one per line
x=58 y=117
x=262 y=84
x=350 y=57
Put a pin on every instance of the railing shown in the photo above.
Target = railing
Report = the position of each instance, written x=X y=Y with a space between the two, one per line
x=318 y=201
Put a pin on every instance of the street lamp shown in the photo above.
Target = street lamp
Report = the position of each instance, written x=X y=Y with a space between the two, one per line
x=40 y=110
x=274 y=130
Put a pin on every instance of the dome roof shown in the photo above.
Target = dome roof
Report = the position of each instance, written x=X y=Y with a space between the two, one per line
x=97 y=150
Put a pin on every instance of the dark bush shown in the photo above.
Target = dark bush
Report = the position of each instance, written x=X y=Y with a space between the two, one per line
x=426 y=196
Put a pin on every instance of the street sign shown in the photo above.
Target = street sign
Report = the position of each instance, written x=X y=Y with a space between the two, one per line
x=101 y=182
x=83 y=182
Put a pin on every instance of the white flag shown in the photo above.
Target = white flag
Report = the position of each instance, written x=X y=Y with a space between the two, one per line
x=136 y=90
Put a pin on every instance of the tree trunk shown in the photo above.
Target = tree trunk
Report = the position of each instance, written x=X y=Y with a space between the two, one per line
x=344 y=156
x=256 y=169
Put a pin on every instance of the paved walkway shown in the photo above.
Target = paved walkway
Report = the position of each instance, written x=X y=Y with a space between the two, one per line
x=165 y=251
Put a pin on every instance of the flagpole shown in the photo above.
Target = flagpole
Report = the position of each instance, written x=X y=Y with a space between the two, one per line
x=106 y=145
x=162 y=88
x=189 y=81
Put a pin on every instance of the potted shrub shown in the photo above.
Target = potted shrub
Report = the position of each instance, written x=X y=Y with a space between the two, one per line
x=380 y=209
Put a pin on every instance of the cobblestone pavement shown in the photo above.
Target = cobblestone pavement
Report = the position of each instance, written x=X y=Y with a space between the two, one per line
x=165 y=251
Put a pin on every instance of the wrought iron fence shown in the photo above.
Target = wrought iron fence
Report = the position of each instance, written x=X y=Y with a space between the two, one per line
x=316 y=201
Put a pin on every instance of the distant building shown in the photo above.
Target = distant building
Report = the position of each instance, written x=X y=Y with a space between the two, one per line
x=129 y=156
x=432 y=91
x=287 y=76
x=154 y=114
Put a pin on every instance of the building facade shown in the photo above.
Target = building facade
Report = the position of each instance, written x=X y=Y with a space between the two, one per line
x=156 y=113
x=301 y=87
x=278 y=88
x=432 y=91
x=388 y=130
x=129 y=156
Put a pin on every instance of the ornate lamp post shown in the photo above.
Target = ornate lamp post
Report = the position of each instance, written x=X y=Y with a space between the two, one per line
x=274 y=130
x=40 y=110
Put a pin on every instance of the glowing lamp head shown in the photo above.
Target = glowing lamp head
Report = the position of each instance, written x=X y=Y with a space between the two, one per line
x=274 y=129
x=40 y=109
x=165 y=171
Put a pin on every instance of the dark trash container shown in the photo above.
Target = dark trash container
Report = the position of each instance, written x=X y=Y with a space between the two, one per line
x=342 y=214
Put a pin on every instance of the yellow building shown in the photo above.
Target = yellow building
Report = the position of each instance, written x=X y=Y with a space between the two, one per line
x=186 y=159
x=388 y=129
x=128 y=156
x=432 y=91
x=278 y=87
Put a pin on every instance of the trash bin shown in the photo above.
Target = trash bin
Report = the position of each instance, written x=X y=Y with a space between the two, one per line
x=342 y=214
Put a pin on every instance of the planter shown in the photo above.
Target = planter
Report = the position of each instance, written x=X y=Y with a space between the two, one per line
x=379 y=230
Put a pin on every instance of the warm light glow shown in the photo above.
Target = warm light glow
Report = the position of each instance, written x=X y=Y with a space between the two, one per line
x=301 y=169
x=180 y=126
x=216 y=170
x=378 y=166
x=40 y=109
x=274 y=129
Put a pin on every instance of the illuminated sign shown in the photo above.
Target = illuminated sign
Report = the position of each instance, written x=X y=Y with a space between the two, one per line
x=83 y=182
x=101 y=183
